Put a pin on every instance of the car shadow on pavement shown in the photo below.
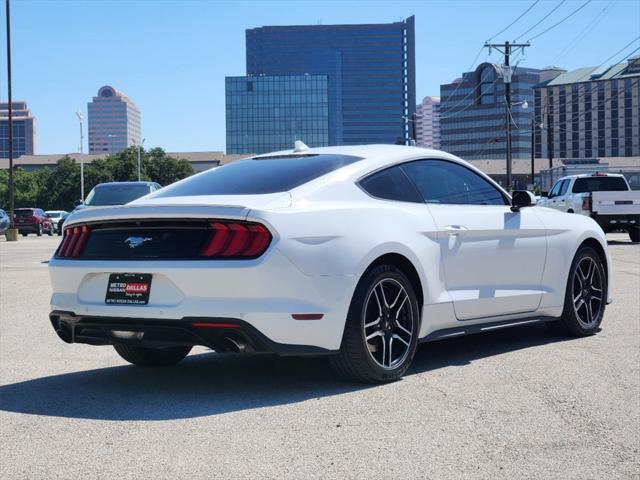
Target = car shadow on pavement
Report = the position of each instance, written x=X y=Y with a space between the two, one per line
x=210 y=384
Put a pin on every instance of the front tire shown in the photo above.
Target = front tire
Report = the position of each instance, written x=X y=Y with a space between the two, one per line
x=585 y=297
x=152 y=357
x=381 y=331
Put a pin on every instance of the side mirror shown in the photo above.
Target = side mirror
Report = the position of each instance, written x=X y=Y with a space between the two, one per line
x=77 y=203
x=522 y=198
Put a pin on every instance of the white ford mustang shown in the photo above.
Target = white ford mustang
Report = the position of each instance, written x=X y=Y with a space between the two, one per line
x=356 y=252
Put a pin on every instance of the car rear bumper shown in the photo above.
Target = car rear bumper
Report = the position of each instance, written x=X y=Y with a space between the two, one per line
x=263 y=293
x=219 y=334
x=28 y=228
x=609 y=223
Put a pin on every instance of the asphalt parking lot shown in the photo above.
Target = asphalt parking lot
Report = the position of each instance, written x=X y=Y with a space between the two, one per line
x=519 y=403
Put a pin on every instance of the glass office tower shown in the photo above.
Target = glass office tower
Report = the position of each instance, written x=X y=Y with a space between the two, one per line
x=370 y=71
x=269 y=113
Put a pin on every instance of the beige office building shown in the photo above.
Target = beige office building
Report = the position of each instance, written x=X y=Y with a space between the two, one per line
x=428 y=123
x=113 y=122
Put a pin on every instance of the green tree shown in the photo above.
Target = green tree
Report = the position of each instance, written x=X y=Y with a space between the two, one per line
x=160 y=167
x=59 y=188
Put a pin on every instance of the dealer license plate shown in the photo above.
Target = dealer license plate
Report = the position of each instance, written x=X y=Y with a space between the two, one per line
x=128 y=289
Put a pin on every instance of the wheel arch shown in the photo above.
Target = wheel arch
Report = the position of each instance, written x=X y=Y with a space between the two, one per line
x=597 y=246
x=407 y=267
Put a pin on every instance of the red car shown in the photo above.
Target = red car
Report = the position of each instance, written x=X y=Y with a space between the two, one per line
x=32 y=220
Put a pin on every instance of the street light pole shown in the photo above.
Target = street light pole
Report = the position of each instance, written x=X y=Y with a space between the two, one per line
x=12 y=233
x=80 y=118
x=139 y=147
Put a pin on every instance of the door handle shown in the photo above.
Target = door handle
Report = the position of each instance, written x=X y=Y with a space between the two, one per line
x=455 y=229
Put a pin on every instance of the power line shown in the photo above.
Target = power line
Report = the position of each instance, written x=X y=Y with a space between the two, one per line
x=473 y=62
x=622 y=49
x=605 y=101
x=583 y=33
x=585 y=91
x=562 y=21
x=461 y=101
x=512 y=23
x=540 y=21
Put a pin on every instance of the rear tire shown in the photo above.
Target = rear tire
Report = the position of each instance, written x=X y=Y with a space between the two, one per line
x=585 y=298
x=634 y=234
x=24 y=234
x=383 y=314
x=152 y=357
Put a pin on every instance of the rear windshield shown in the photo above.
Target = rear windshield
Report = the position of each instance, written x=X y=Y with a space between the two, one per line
x=258 y=175
x=24 y=213
x=600 y=184
x=115 y=194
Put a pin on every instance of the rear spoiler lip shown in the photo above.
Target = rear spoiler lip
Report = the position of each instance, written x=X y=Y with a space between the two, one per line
x=133 y=212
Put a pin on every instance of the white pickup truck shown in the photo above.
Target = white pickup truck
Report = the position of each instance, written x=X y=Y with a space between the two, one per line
x=605 y=197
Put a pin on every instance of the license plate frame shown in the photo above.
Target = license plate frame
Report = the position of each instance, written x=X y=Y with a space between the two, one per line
x=130 y=289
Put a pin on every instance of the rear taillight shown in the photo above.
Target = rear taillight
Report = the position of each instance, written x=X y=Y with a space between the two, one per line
x=236 y=240
x=74 y=240
x=586 y=202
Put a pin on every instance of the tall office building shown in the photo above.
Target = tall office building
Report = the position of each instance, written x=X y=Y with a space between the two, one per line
x=113 y=122
x=272 y=112
x=370 y=72
x=428 y=123
x=24 y=130
x=473 y=117
x=590 y=112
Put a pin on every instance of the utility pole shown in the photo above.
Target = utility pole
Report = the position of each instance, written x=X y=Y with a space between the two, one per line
x=12 y=233
x=549 y=132
x=80 y=118
x=533 y=149
x=505 y=49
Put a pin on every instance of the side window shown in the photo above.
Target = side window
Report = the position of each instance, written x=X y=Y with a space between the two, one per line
x=564 y=186
x=554 y=191
x=444 y=182
x=390 y=184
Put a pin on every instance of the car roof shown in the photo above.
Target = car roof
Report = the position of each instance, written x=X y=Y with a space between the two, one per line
x=107 y=184
x=374 y=158
x=591 y=175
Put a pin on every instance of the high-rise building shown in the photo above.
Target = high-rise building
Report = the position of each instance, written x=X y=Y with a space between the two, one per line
x=270 y=113
x=428 y=123
x=589 y=112
x=473 y=116
x=113 y=122
x=370 y=72
x=24 y=130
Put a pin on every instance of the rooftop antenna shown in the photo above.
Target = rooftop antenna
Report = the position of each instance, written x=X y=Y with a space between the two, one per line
x=299 y=146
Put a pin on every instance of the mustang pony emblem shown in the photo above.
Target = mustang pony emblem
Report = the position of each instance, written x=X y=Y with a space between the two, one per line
x=134 y=242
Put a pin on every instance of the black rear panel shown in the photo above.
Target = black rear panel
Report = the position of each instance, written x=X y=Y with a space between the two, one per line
x=146 y=240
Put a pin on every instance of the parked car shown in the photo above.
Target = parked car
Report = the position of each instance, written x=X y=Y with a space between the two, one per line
x=61 y=222
x=358 y=253
x=57 y=217
x=32 y=220
x=116 y=193
x=605 y=197
x=5 y=222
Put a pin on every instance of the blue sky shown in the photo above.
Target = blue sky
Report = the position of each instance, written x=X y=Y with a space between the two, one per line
x=171 y=56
